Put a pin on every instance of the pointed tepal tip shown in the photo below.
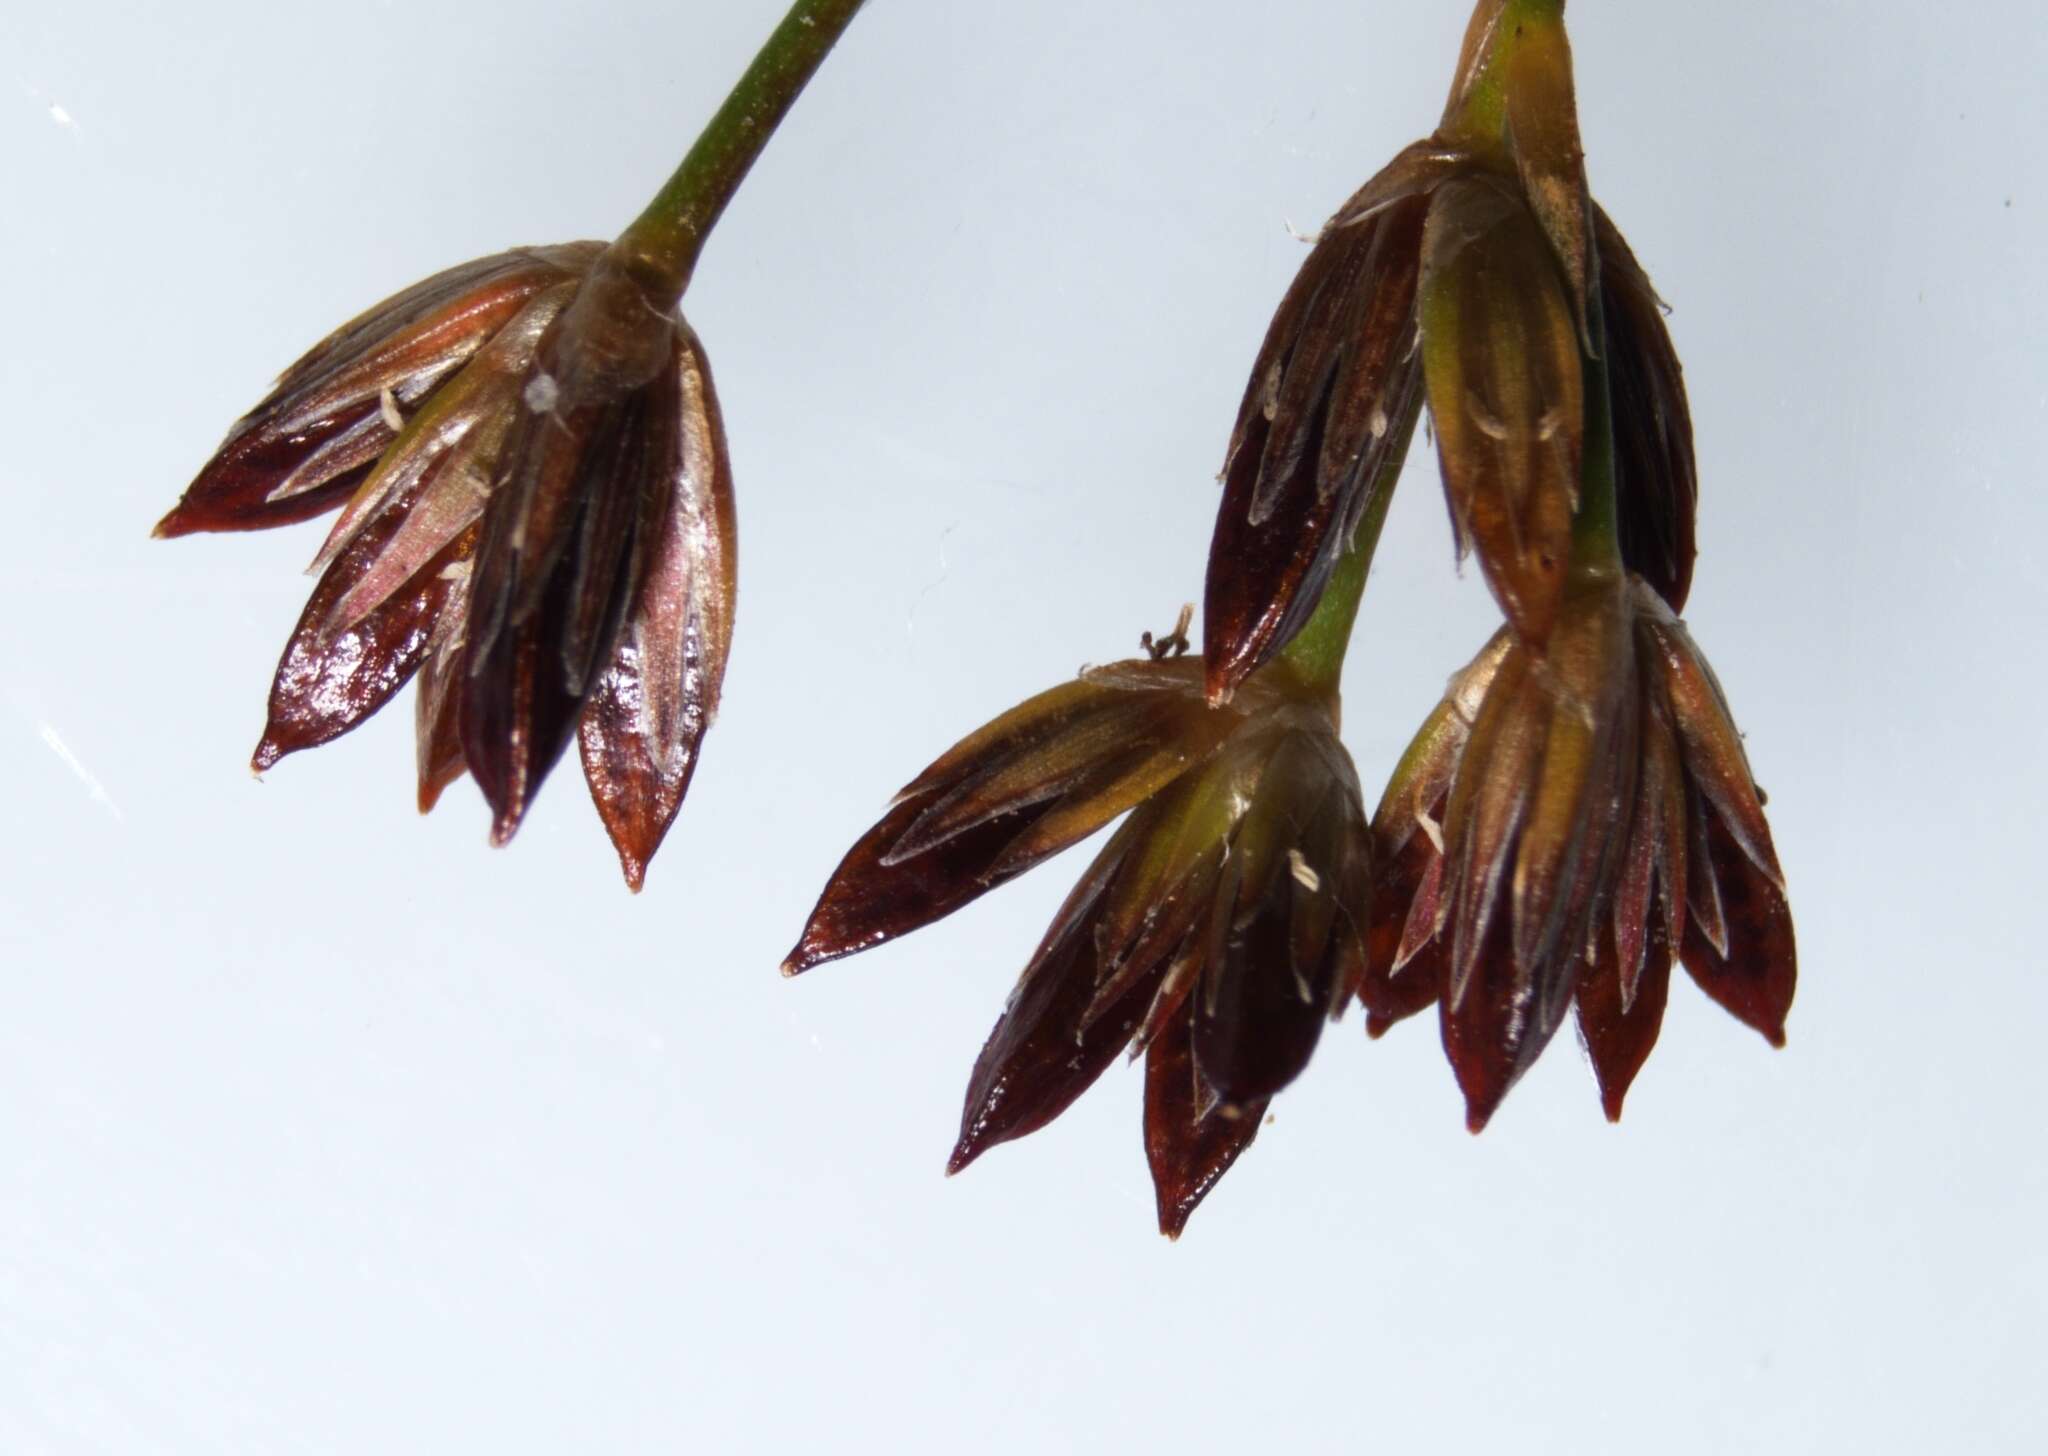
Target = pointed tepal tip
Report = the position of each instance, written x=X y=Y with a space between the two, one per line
x=1484 y=1090
x=1610 y=1103
x=630 y=841
x=1175 y=1207
x=965 y=1151
x=802 y=956
x=267 y=753
x=174 y=523
x=822 y=942
x=1377 y=1025
x=508 y=807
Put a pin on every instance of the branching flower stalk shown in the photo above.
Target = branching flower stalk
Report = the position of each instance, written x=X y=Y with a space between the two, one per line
x=536 y=501
x=1578 y=811
x=1314 y=657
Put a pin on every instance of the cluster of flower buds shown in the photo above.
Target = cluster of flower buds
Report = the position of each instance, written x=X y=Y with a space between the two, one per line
x=1568 y=821
x=536 y=519
x=536 y=508
x=1575 y=815
x=1216 y=931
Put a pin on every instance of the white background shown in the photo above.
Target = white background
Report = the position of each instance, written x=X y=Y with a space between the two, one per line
x=324 y=1128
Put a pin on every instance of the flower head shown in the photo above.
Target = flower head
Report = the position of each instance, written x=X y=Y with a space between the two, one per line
x=536 y=517
x=1213 y=932
x=540 y=516
x=1459 y=274
x=1565 y=824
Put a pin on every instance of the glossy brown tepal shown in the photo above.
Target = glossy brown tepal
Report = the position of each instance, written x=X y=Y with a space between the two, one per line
x=1656 y=490
x=536 y=505
x=1323 y=419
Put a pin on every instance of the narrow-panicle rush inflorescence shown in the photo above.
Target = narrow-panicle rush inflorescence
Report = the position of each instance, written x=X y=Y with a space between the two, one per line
x=1575 y=818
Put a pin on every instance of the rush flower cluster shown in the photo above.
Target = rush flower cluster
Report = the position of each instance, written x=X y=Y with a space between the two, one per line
x=536 y=520
x=536 y=508
x=1577 y=816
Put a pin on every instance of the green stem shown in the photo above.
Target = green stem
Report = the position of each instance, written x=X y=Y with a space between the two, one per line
x=1316 y=654
x=666 y=238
